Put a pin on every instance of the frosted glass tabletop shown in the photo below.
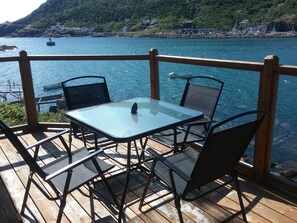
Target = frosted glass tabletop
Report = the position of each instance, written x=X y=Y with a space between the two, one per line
x=115 y=120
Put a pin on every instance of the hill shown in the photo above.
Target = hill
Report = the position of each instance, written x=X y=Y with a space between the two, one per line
x=115 y=16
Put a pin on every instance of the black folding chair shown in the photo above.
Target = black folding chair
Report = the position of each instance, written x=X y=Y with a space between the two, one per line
x=188 y=170
x=84 y=91
x=201 y=93
x=63 y=175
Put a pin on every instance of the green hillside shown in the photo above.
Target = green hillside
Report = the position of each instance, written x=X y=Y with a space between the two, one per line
x=110 y=16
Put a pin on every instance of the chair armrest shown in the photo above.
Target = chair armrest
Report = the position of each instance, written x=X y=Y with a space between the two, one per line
x=73 y=165
x=47 y=139
x=169 y=164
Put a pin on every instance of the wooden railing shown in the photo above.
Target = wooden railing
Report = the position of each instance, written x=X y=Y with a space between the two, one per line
x=269 y=71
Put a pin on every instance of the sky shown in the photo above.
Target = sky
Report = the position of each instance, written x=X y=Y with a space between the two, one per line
x=12 y=10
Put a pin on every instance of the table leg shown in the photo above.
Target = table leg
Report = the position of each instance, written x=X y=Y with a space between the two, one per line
x=121 y=208
x=143 y=145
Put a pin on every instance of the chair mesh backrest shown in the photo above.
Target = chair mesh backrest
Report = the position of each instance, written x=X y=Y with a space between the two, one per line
x=224 y=146
x=202 y=96
x=85 y=91
x=21 y=149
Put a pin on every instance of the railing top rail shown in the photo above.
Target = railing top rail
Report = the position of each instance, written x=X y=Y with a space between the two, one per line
x=287 y=70
x=88 y=57
x=9 y=59
x=231 y=64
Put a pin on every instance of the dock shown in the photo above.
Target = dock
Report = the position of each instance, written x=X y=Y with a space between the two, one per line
x=52 y=86
x=11 y=91
x=50 y=99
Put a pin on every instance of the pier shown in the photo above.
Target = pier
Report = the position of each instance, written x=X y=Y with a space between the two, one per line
x=11 y=91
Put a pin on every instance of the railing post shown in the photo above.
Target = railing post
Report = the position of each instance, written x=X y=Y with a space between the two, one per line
x=267 y=100
x=154 y=74
x=28 y=90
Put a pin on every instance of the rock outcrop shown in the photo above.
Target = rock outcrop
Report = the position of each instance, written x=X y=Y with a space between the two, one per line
x=5 y=48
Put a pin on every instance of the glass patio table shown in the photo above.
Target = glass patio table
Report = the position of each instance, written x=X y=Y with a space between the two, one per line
x=115 y=121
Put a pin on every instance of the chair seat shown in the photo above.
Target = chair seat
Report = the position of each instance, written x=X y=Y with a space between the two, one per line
x=185 y=161
x=81 y=173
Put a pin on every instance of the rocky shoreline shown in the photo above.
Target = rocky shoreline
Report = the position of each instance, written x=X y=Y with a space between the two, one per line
x=211 y=36
x=169 y=35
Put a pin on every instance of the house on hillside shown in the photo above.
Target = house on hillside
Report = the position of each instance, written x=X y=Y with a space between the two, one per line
x=188 y=27
x=125 y=29
x=149 y=22
x=154 y=21
x=207 y=31
x=145 y=22
x=244 y=22
x=260 y=29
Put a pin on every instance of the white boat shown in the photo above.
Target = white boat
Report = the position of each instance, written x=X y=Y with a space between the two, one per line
x=177 y=75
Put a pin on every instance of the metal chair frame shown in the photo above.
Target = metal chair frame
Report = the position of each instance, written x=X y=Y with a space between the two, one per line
x=201 y=93
x=188 y=170
x=60 y=174
x=84 y=91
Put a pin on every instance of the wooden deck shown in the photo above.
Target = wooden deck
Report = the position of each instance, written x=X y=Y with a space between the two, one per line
x=262 y=204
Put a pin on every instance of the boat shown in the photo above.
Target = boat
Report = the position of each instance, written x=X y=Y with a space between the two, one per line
x=179 y=75
x=50 y=42
x=52 y=86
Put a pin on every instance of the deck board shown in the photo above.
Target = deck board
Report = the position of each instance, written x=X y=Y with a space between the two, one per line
x=262 y=204
x=8 y=213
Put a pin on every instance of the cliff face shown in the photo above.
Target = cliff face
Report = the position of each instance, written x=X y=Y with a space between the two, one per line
x=110 y=16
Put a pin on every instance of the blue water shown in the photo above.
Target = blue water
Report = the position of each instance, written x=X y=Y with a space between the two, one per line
x=127 y=79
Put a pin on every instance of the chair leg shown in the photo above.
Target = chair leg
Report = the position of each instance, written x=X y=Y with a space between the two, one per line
x=178 y=208
x=91 y=203
x=143 y=145
x=95 y=141
x=136 y=150
x=83 y=136
x=177 y=197
x=145 y=191
x=26 y=194
x=110 y=191
x=240 y=199
x=62 y=206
